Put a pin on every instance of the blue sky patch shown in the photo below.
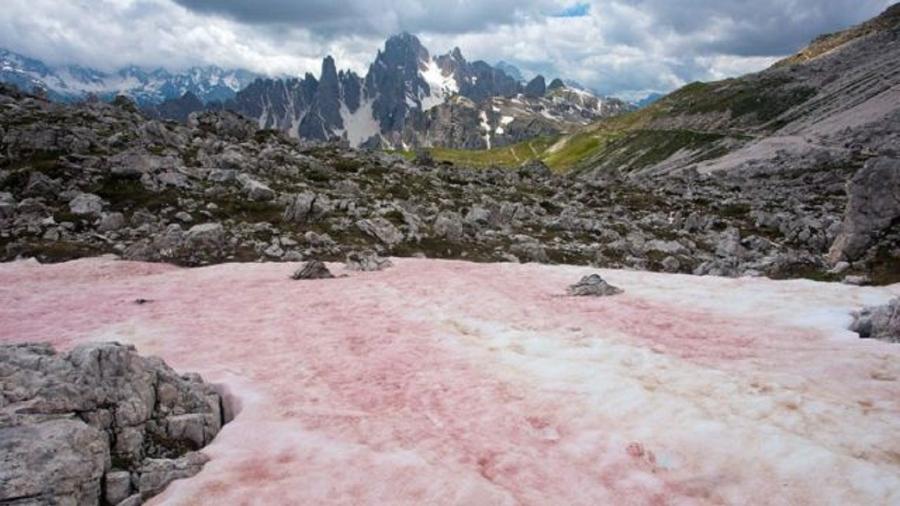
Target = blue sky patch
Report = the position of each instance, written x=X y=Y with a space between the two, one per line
x=575 y=11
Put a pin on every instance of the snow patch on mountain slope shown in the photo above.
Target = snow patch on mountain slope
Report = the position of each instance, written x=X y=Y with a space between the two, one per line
x=360 y=125
x=441 y=86
x=485 y=127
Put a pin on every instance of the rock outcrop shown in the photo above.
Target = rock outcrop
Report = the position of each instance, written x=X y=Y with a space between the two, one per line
x=98 y=425
x=873 y=208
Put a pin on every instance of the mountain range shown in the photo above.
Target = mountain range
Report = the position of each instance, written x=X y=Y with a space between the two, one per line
x=70 y=83
x=411 y=98
x=408 y=98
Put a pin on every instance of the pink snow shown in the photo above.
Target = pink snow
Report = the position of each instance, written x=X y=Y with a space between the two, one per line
x=439 y=382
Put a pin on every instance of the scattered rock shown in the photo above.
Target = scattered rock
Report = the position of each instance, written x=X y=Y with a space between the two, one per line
x=535 y=169
x=593 y=286
x=86 y=204
x=206 y=235
x=313 y=269
x=381 y=229
x=254 y=189
x=366 y=261
x=878 y=322
x=111 y=222
x=449 y=225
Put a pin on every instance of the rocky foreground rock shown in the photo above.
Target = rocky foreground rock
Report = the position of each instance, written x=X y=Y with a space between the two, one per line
x=99 y=425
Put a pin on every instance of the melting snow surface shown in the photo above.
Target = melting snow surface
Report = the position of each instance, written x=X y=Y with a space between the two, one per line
x=440 y=382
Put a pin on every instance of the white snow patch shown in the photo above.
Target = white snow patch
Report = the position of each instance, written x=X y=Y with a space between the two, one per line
x=359 y=126
x=486 y=126
x=441 y=86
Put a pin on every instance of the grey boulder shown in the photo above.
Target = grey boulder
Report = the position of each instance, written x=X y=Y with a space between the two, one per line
x=593 y=286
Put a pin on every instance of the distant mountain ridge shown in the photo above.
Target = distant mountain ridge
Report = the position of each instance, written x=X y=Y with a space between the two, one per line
x=410 y=98
x=67 y=83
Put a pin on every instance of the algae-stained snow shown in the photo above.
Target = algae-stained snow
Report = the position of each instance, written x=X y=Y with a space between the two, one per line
x=441 y=382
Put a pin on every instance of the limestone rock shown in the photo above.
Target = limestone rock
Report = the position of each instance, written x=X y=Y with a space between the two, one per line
x=874 y=206
x=83 y=427
x=366 y=261
x=86 y=204
x=879 y=322
x=206 y=235
x=313 y=269
x=593 y=286
x=381 y=229
x=254 y=189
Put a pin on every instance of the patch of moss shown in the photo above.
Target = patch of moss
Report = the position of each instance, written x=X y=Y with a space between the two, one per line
x=127 y=194
x=250 y=211
x=346 y=165
x=56 y=251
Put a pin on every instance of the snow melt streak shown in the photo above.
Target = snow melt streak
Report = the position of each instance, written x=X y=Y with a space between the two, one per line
x=454 y=383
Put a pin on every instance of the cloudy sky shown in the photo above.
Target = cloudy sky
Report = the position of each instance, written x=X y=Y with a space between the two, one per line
x=614 y=46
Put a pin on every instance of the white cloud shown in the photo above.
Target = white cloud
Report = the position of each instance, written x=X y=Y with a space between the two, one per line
x=616 y=47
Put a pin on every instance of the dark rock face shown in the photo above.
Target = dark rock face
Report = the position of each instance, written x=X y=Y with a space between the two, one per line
x=98 y=425
x=479 y=81
x=593 y=286
x=880 y=322
x=537 y=87
x=393 y=78
x=401 y=103
x=178 y=109
x=324 y=114
x=873 y=208
x=556 y=84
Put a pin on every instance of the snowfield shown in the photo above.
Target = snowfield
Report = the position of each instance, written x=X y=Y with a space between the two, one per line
x=439 y=382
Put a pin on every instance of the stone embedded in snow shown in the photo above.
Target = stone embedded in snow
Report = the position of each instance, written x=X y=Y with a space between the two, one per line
x=455 y=382
x=86 y=204
x=366 y=261
x=879 y=322
x=593 y=286
x=97 y=420
x=313 y=269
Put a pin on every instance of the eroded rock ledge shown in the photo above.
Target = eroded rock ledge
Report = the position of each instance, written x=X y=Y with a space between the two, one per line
x=98 y=425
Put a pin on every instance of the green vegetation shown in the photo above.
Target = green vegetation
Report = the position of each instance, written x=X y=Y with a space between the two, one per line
x=127 y=194
x=506 y=156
